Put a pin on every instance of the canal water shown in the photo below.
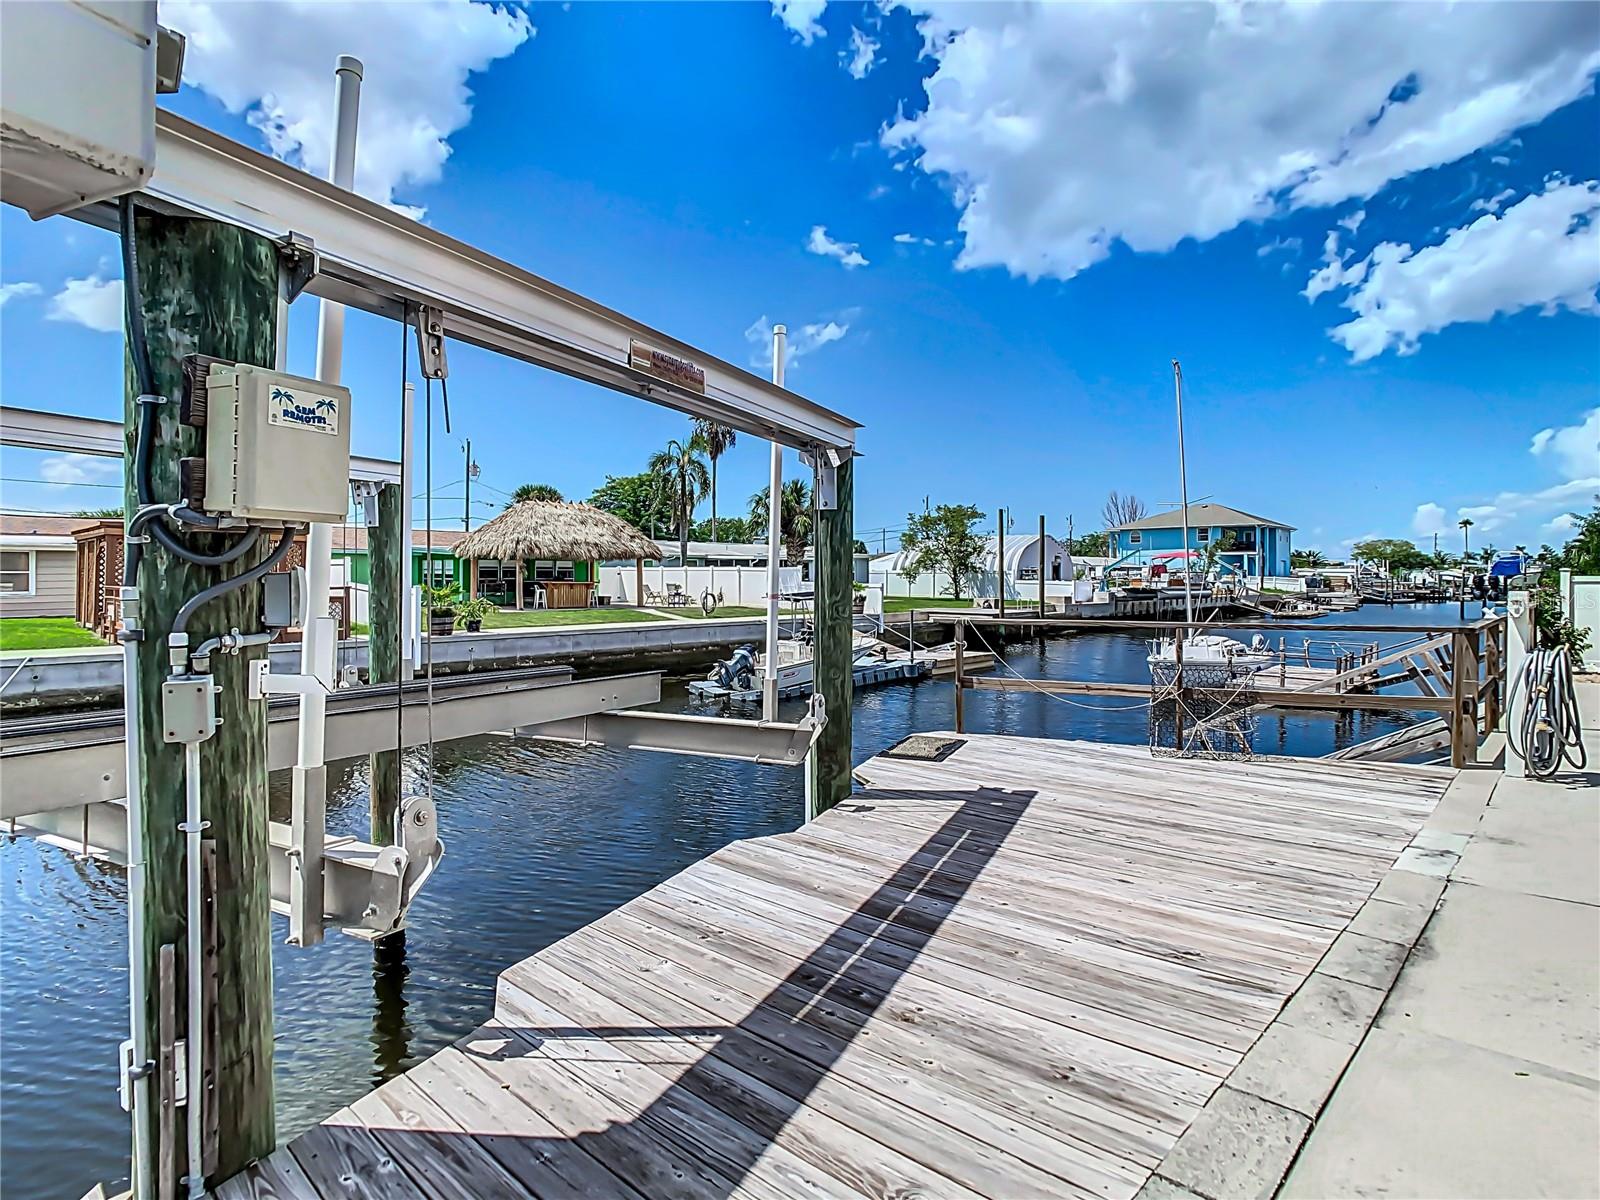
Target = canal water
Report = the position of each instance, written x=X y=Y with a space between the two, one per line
x=540 y=840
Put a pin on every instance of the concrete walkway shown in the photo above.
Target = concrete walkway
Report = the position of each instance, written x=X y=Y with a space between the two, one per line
x=1481 y=1074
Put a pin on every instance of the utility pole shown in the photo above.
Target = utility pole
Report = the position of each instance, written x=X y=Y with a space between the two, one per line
x=203 y=288
x=471 y=474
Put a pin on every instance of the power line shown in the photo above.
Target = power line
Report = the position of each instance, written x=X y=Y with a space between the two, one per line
x=58 y=482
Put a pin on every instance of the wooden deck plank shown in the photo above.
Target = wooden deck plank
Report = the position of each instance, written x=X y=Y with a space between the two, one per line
x=1017 y=972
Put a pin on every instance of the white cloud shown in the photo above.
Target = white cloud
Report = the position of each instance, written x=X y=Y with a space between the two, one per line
x=1428 y=520
x=94 y=303
x=77 y=468
x=1290 y=244
x=1353 y=221
x=1494 y=203
x=1560 y=525
x=1066 y=128
x=1572 y=449
x=1333 y=273
x=1518 y=508
x=801 y=18
x=911 y=239
x=862 y=55
x=9 y=290
x=800 y=342
x=274 y=62
x=848 y=253
x=1542 y=252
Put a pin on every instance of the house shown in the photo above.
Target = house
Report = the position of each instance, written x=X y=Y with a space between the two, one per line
x=1021 y=569
x=38 y=565
x=352 y=564
x=712 y=554
x=1256 y=547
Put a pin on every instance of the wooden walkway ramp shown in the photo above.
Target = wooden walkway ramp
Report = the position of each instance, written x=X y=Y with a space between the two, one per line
x=1016 y=972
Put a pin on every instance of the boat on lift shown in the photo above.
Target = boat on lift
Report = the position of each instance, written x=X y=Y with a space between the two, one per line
x=1210 y=651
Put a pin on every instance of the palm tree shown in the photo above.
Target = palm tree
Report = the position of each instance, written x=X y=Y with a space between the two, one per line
x=681 y=474
x=717 y=440
x=1466 y=524
x=541 y=492
x=794 y=520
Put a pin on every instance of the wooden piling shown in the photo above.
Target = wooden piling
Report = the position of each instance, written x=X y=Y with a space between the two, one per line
x=835 y=595
x=207 y=288
x=386 y=600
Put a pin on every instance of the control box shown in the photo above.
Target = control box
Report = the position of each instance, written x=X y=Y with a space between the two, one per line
x=277 y=446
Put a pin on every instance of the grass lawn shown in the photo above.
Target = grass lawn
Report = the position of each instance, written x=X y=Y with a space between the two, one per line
x=907 y=603
x=535 y=618
x=44 y=633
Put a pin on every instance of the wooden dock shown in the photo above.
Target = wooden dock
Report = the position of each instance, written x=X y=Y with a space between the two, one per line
x=1004 y=968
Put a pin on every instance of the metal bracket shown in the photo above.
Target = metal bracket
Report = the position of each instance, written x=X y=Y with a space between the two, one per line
x=301 y=263
x=430 y=342
x=366 y=494
x=825 y=462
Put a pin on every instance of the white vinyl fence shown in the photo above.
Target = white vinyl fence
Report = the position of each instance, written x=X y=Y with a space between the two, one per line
x=1580 y=603
x=745 y=586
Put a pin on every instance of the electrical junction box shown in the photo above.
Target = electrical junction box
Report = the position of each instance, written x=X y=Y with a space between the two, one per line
x=277 y=446
x=77 y=101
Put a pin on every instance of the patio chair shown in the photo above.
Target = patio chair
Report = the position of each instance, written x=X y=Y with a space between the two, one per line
x=653 y=598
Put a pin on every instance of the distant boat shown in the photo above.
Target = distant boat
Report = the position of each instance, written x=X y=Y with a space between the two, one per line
x=1209 y=651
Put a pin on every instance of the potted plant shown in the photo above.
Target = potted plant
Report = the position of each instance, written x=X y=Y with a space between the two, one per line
x=858 y=602
x=442 y=603
x=472 y=612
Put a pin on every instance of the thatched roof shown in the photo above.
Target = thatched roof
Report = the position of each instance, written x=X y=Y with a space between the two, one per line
x=536 y=529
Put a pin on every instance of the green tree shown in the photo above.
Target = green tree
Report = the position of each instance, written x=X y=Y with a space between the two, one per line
x=637 y=499
x=1399 y=554
x=1581 y=554
x=1307 y=560
x=729 y=529
x=104 y=514
x=794 y=519
x=544 y=493
x=943 y=540
x=717 y=440
x=1215 y=549
x=1466 y=524
x=681 y=473
x=1091 y=545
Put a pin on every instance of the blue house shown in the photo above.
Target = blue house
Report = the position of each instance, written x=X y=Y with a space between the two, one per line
x=1255 y=547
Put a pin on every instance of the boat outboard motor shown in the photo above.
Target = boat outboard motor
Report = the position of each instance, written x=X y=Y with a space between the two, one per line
x=1258 y=644
x=737 y=672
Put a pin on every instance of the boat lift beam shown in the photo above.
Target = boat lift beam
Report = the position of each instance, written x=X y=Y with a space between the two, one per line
x=364 y=255
x=769 y=742
x=61 y=433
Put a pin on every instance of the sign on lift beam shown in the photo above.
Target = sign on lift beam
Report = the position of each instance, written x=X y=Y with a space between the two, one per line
x=666 y=366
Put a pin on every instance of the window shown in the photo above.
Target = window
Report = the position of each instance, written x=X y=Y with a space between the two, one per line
x=16 y=572
x=1204 y=534
x=444 y=572
x=496 y=577
x=1133 y=537
x=544 y=570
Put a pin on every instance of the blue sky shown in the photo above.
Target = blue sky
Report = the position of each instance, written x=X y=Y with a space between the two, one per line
x=1079 y=197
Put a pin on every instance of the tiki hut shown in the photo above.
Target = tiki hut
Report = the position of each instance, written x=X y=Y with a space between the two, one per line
x=545 y=553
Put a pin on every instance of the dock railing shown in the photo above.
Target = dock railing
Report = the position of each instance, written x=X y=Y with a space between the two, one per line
x=1459 y=671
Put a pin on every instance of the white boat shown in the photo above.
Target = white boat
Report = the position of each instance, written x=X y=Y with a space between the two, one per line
x=1208 y=652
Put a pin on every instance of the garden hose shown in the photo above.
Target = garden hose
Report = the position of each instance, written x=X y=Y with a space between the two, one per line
x=1549 y=731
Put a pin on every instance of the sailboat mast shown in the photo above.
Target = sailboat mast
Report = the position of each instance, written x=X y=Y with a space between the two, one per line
x=1183 y=496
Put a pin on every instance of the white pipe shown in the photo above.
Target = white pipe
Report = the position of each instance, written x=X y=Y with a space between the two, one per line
x=409 y=623
x=139 y=1092
x=769 y=685
x=317 y=645
x=195 y=1032
x=1183 y=490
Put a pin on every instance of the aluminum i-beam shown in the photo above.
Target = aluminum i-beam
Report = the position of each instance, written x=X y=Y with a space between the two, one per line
x=85 y=764
x=373 y=258
x=771 y=743
x=61 y=433
x=365 y=888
